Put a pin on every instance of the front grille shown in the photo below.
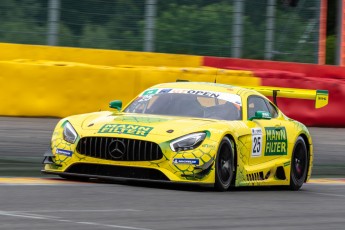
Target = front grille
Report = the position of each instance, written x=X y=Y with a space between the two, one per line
x=119 y=149
x=117 y=171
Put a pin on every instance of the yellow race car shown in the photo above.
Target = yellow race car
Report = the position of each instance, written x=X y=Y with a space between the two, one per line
x=203 y=133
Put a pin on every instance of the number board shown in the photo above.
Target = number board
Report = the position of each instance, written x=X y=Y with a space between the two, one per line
x=256 y=142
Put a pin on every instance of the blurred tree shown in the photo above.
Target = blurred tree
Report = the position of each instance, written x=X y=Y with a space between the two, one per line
x=292 y=43
x=197 y=27
x=22 y=32
x=332 y=16
x=190 y=29
x=124 y=25
x=95 y=36
x=331 y=48
x=66 y=37
x=22 y=24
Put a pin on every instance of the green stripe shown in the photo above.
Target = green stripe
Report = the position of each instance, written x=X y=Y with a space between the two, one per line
x=322 y=92
x=63 y=124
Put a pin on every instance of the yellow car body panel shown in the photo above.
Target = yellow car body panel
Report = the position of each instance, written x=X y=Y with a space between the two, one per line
x=274 y=140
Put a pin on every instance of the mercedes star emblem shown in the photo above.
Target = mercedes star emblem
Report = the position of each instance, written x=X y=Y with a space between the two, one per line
x=117 y=149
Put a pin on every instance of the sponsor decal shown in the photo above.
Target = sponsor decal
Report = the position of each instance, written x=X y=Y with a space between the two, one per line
x=164 y=90
x=179 y=91
x=322 y=98
x=266 y=115
x=203 y=93
x=256 y=142
x=208 y=146
x=233 y=98
x=136 y=130
x=276 y=141
x=64 y=152
x=150 y=92
x=186 y=161
x=145 y=98
x=287 y=163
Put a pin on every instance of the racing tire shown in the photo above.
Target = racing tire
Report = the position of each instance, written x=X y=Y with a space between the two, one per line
x=299 y=165
x=224 y=165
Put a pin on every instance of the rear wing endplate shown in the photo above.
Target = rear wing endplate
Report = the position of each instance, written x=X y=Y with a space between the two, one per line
x=319 y=96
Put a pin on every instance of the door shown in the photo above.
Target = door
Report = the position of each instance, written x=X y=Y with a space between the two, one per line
x=268 y=136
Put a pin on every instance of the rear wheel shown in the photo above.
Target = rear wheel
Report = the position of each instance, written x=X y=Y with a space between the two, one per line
x=299 y=164
x=224 y=165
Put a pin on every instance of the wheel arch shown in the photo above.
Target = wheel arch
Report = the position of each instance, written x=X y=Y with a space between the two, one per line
x=232 y=140
x=307 y=143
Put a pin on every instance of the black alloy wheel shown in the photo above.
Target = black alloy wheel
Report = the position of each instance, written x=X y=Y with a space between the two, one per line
x=299 y=164
x=224 y=165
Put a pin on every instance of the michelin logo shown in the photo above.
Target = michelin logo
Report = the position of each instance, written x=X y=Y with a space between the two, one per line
x=64 y=152
x=186 y=161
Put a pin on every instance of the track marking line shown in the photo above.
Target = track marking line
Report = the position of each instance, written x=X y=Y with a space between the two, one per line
x=340 y=181
x=35 y=181
x=37 y=215
x=42 y=217
x=69 y=210
x=326 y=194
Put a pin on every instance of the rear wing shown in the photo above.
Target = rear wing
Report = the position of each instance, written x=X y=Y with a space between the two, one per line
x=319 y=96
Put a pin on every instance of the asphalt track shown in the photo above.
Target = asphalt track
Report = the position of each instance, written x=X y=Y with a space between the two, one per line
x=51 y=203
x=61 y=205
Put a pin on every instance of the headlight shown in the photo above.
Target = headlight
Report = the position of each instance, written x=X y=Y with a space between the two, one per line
x=69 y=134
x=187 y=142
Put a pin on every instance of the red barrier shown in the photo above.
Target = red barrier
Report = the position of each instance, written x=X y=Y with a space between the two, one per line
x=310 y=70
x=296 y=75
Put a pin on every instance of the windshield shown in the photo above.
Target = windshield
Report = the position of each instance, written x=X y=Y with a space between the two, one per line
x=188 y=103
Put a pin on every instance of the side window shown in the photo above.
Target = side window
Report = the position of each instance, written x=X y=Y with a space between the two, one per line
x=256 y=103
x=272 y=109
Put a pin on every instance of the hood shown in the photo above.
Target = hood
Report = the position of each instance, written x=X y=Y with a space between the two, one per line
x=143 y=124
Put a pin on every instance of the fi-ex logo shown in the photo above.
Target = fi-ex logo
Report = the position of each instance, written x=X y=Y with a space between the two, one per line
x=186 y=161
x=64 y=152
x=276 y=141
x=126 y=129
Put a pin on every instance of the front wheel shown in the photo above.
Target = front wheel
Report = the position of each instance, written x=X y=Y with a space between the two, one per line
x=224 y=165
x=299 y=164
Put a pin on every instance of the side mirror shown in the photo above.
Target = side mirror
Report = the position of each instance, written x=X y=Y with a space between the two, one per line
x=117 y=104
x=261 y=115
